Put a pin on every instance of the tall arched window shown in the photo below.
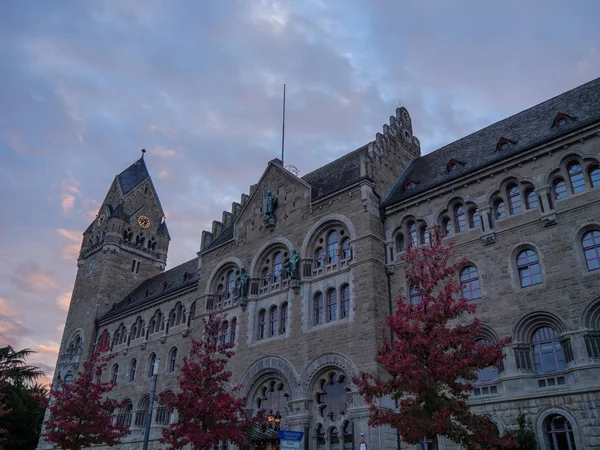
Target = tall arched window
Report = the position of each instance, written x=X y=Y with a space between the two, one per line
x=320 y=436
x=173 y=360
x=560 y=189
x=414 y=296
x=332 y=247
x=547 y=352
x=284 y=318
x=273 y=320
x=277 y=266
x=346 y=250
x=499 y=209
x=348 y=436
x=514 y=199
x=151 y=361
x=490 y=373
x=412 y=233
x=474 y=218
x=262 y=319
x=331 y=305
x=399 y=243
x=591 y=249
x=595 y=176
x=318 y=309
x=265 y=276
x=345 y=301
x=334 y=439
x=232 y=331
x=132 y=369
x=447 y=226
x=531 y=199
x=460 y=218
x=424 y=235
x=576 y=178
x=469 y=280
x=223 y=333
x=529 y=268
x=124 y=418
x=230 y=283
x=332 y=397
x=559 y=433
x=115 y=374
x=142 y=410
x=319 y=257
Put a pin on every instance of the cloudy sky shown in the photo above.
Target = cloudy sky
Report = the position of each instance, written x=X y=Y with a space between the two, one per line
x=84 y=85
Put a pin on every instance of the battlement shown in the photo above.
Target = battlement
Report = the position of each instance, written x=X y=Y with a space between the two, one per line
x=227 y=220
x=397 y=134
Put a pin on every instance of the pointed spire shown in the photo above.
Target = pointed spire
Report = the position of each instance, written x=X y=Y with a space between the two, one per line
x=143 y=152
x=133 y=175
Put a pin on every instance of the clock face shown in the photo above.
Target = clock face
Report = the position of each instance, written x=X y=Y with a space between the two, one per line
x=144 y=221
x=101 y=220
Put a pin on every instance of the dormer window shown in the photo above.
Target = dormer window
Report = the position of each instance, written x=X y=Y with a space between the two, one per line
x=452 y=166
x=561 y=120
x=409 y=185
x=503 y=145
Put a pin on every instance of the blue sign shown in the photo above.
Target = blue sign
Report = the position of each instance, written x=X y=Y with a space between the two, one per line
x=290 y=435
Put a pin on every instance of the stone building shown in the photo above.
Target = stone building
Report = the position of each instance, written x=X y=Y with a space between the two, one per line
x=520 y=199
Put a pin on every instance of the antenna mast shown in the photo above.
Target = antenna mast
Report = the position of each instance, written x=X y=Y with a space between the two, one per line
x=283 y=128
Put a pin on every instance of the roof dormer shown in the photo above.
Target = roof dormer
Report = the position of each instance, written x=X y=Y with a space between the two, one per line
x=561 y=120
x=453 y=166
x=409 y=184
x=504 y=145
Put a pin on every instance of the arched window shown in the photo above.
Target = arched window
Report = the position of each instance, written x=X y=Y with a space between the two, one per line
x=273 y=320
x=230 y=283
x=115 y=374
x=346 y=250
x=547 y=352
x=514 y=199
x=414 y=296
x=262 y=318
x=348 y=436
x=332 y=247
x=332 y=396
x=531 y=199
x=163 y=416
x=331 y=305
x=412 y=233
x=152 y=362
x=142 y=410
x=424 y=235
x=591 y=249
x=318 y=309
x=277 y=266
x=345 y=301
x=265 y=277
x=490 y=373
x=469 y=280
x=529 y=268
x=499 y=209
x=173 y=360
x=320 y=435
x=319 y=257
x=474 y=218
x=272 y=398
x=232 y=331
x=283 y=320
x=576 y=178
x=334 y=439
x=68 y=378
x=560 y=189
x=124 y=417
x=132 y=369
x=399 y=243
x=594 y=176
x=559 y=433
x=223 y=333
x=460 y=218
x=447 y=226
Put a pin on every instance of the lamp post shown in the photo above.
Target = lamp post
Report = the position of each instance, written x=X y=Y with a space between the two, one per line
x=274 y=420
x=151 y=403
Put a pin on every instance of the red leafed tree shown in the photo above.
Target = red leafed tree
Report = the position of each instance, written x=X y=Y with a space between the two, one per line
x=80 y=414
x=209 y=410
x=430 y=357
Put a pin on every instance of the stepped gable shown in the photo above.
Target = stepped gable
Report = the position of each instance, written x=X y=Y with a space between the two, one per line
x=133 y=175
x=524 y=130
x=165 y=283
x=336 y=175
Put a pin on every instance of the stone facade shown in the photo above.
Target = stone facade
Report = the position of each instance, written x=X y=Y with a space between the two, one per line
x=299 y=342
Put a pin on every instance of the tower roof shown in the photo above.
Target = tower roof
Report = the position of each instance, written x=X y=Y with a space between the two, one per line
x=133 y=175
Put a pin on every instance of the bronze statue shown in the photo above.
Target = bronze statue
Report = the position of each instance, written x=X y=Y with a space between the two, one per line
x=243 y=281
x=291 y=266
x=270 y=203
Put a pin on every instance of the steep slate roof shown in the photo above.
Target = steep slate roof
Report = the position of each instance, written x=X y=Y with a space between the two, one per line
x=163 y=230
x=133 y=175
x=226 y=235
x=172 y=280
x=335 y=175
x=526 y=129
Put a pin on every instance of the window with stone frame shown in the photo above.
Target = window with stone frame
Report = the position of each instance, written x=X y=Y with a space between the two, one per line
x=528 y=267
x=559 y=188
x=331 y=248
x=223 y=288
x=132 y=370
x=126 y=414
x=348 y=435
x=413 y=297
x=273 y=321
x=424 y=235
x=319 y=257
x=400 y=243
x=141 y=412
x=474 y=218
x=470 y=285
x=223 y=332
x=177 y=315
x=318 y=308
x=283 y=318
x=576 y=177
x=334 y=439
x=490 y=373
x=172 y=360
x=412 y=233
x=331 y=305
x=270 y=270
x=272 y=397
x=163 y=415
x=115 y=373
x=262 y=323
x=344 y=301
x=120 y=335
x=531 y=198
x=548 y=353
x=156 y=323
x=559 y=433
x=346 y=249
x=499 y=209
x=591 y=249
x=594 y=174
x=320 y=437
x=514 y=199
x=232 y=330
x=460 y=218
x=332 y=395
x=446 y=226
x=151 y=363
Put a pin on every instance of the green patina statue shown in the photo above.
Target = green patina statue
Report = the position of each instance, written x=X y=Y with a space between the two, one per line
x=243 y=283
x=270 y=203
x=291 y=266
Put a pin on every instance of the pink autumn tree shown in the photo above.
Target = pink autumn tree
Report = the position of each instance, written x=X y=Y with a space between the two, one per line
x=209 y=409
x=80 y=413
x=429 y=358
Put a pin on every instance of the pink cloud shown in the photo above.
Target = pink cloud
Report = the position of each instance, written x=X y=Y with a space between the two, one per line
x=45 y=349
x=163 y=175
x=169 y=131
x=69 y=189
x=64 y=300
x=70 y=250
x=14 y=141
x=32 y=279
x=11 y=327
x=162 y=152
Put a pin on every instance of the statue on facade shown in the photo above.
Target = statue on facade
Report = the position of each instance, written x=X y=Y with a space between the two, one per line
x=269 y=205
x=243 y=283
x=291 y=266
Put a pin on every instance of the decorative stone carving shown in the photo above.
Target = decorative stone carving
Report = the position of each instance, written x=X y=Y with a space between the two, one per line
x=549 y=219
x=488 y=238
x=269 y=205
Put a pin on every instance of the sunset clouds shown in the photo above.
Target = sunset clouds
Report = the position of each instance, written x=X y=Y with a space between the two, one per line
x=86 y=84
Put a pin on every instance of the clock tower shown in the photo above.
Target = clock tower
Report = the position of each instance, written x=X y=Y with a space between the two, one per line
x=125 y=244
